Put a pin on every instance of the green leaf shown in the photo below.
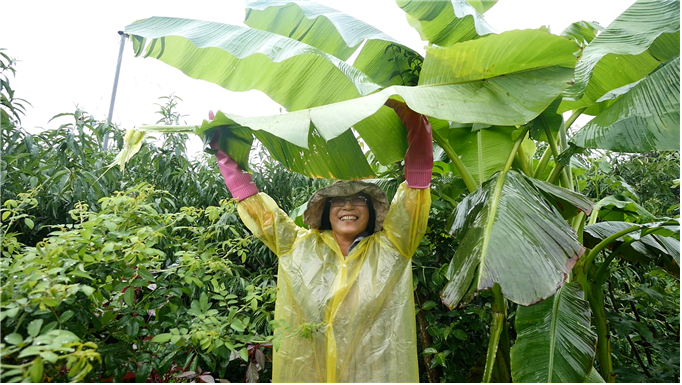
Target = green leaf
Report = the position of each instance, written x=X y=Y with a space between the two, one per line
x=428 y=305
x=49 y=357
x=34 y=327
x=79 y=273
x=163 y=337
x=484 y=152
x=129 y=296
x=237 y=325
x=624 y=45
x=460 y=334
x=145 y=274
x=36 y=370
x=646 y=118
x=203 y=301
x=244 y=354
x=314 y=24
x=143 y=372
x=29 y=224
x=548 y=120
x=621 y=208
x=594 y=377
x=107 y=317
x=381 y=57
x=430 y=351
x=14 y=339
x=497 y=87
x=640 y=248
x=192 y=46
x=555 y=342
x=511 y=236
x=583 y=31
x=498 y=55
x=445 y=23
x=568 y=202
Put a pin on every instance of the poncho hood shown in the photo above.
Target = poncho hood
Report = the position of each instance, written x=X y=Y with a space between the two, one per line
x=313 y=213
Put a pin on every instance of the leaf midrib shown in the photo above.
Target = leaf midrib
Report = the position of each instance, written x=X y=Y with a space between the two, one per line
x=489 y=226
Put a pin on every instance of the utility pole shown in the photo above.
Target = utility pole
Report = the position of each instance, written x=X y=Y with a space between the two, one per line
x=105 y=145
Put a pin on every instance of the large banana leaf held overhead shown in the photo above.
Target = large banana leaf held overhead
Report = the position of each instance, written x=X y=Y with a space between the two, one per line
x=505 y=79
x=629 y=79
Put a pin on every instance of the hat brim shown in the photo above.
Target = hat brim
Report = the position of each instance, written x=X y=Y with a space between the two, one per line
x=312 y=216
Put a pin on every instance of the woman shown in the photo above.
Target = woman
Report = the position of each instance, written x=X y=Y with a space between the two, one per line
x=349 y=276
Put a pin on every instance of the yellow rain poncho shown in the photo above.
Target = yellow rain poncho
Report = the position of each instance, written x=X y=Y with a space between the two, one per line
x=361 y=306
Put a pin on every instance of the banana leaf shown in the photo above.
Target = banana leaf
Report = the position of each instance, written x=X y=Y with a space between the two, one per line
x=382 y=58
x=594 y=377
x=554 y=342
x=625 y=44
x=568 y=202
x=621 y=208
x=445 y=23
x=483 y=149
x=583 y=31
x=294 y=74
x=646 y=118
x=658 y=242
x=510 y=235
x=548 y=121
x=314 y=24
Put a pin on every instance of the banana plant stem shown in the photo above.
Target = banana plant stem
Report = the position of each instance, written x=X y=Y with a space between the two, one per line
x=499 y=309
x=596 y=299
x=568 y=173
x=469 y=180
x=512 y=155
x=556 y=172
x=521 y=158
x=555 y=153
x=558 y=168
x=542 y=165
x=573 y=117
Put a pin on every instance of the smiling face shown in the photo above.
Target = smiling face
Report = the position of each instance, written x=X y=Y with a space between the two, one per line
x=349 y=220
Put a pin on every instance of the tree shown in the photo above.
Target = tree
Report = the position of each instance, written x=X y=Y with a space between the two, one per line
x=490 y=98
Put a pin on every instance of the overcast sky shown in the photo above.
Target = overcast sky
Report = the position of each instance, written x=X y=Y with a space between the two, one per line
x=67 y=52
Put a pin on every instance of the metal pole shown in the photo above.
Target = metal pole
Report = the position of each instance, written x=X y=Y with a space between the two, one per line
x=113 y=92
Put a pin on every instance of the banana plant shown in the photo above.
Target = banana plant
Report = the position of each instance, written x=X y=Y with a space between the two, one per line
x=491 y=98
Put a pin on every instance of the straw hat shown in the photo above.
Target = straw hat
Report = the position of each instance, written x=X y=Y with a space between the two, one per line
x=312 y=216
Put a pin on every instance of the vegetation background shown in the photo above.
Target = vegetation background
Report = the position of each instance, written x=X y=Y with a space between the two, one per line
x=167 y=234
x=149 y=276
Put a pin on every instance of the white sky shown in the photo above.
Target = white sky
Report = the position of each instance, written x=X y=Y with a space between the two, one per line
x=67 y=52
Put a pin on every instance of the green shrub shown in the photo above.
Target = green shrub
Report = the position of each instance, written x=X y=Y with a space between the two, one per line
x=134 y=289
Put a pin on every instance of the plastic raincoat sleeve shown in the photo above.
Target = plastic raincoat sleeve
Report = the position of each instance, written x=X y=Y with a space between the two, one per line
x=405 y=223
x=268 y=223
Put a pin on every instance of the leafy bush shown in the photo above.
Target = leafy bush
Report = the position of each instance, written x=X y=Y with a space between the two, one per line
x=149 y=291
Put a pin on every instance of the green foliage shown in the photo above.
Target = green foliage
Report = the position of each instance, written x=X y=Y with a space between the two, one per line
x=11 y=107
x=66 y=165
x=150 y=289
x=647 y=179
x=163 y=283
x=451 y=342
x=643 y=311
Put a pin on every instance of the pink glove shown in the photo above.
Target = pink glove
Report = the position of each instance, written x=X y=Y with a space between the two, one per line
x=419 y=155
x=239 y=182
